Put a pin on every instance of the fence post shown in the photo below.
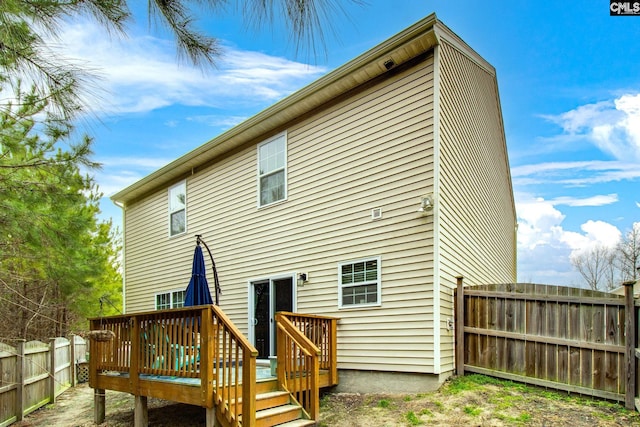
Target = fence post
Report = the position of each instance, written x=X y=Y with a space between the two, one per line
x=459 y=327
x=630 y=340
x=72 y=360
x=20 y=367
x=52 y=370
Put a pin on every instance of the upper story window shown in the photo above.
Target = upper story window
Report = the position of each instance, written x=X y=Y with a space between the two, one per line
x=178 y=209
x=272 y=170
x=174 y=299
x=359 y=283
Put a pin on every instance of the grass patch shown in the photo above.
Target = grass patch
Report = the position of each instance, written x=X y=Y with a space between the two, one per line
x=384 y=403
x=460 y=384
x=551 y=395
x=413 y=419
x=605 y=417
x=426 y=412
x=472 y=410
x=520 y=419
x=476 y=399
x=476 y=381
x=505 y=400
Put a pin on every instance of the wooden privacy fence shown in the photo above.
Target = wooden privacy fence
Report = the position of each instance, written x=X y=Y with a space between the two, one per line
x=35 y=373
x=564 y=338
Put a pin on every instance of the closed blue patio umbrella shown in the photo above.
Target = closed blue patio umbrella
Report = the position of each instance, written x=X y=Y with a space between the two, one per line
x=198 y=290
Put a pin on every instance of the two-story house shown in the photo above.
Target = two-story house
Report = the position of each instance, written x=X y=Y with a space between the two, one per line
x=361 y=196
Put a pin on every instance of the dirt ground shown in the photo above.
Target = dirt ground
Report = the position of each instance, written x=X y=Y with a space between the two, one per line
x=468 y=401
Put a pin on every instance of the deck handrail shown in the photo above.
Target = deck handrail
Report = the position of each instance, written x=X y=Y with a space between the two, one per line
x=191 y=342
x=232 y=353
x=298 y=369
x=306 y=344
x=322 y=332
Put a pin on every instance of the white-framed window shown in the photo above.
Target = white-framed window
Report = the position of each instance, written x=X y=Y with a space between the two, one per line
x=359 y=283
x=272 y=170
x=171 y=299
x=178 y=209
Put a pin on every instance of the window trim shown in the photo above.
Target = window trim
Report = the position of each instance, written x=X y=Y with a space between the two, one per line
x=171 y=301
x=378 y=260
x=170 y=212
x=284 y=168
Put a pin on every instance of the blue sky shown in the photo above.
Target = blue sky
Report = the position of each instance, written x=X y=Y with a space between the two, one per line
x=569 y=80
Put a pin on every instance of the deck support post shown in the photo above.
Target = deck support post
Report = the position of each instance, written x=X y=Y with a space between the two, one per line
x=211 y=420
x=140 y=412
x=98 y=405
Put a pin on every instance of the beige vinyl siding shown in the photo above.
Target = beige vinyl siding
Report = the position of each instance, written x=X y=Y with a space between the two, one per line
x=373 y=149
x=476 y=211
x=147 y=249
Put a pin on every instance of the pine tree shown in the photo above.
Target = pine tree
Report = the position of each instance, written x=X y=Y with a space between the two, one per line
x=55 y=255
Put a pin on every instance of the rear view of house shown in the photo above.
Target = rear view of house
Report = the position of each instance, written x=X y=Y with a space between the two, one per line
x=361 y=196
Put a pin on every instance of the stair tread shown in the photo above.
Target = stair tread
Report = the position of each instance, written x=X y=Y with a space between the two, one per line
x=276 y=410
x=271 y=394
x=264 y=396
x=298 y=423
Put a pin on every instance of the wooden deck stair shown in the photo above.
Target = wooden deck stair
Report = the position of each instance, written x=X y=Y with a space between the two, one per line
x=275 y=408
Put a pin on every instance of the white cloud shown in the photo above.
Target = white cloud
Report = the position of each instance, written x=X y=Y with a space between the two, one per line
x=599 y=200
x=596 y=233
x=539 y=238
x=216 y=120
x=538 y=221
x=543 y=241
x=140 y=74
x=612 y=126
x=575 y=174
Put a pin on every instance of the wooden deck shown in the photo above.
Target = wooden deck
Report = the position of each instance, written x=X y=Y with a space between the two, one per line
x=197 y=356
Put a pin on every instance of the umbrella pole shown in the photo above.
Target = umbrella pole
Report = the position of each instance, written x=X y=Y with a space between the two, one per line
x=213 y=266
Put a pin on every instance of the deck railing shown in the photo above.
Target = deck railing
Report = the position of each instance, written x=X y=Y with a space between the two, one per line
x=322 y=332
x=235 y=371
x=305 y=344
x=195 y=342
